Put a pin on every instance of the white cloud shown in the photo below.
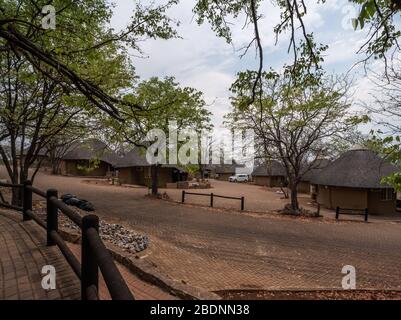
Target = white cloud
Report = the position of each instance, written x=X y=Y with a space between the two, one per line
x=199 y=59
x=208 y=63
x=215 y=84
x=344 y=49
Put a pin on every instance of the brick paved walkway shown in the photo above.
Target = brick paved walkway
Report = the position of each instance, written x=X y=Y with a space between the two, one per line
x=23 y=253
x=219 y=250
x=140 y=289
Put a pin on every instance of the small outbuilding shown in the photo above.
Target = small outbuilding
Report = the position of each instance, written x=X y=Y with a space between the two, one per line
x=354 y=181
x=134 y=169
x=89 y=158
x=271 y=174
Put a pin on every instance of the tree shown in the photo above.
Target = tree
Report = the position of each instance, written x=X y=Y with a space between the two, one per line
x=354 y=138
x=386 y=115
x=383 y=31
x=59 y=145
x=82 y=29
x=377 y=15
x=163 y=101
x=37 y=107
x=22 y=33
x=294 y=121
x=205 y=149
x=31 y=113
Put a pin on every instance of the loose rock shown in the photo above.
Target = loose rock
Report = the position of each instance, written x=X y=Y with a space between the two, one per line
x=124 y=238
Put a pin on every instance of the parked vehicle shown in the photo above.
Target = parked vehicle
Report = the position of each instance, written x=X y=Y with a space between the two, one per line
x=239 y=178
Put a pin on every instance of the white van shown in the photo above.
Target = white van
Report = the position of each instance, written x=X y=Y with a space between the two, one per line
x=239 y=177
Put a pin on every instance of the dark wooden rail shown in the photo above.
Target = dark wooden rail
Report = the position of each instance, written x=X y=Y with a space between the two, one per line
x=212 y=196
x=94 y=254
x=360 y=212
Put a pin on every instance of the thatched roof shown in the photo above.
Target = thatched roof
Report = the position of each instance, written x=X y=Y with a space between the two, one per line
x=272 y=168
x=137 y=158
x=228 y=168
x=92 y=149
x=315 y=169
x=356 y=169
x=7 y=149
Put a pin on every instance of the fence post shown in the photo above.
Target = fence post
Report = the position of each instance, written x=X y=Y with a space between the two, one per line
x=318 y=209
x=211 y=199
x=337 y=212
x=89 y=266
x=242 y=203
x=183 y=196
x=27 y=200
x=52 y=216
x=366 y=214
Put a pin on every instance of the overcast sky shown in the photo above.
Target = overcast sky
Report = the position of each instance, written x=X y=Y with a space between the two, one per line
x=207 y=63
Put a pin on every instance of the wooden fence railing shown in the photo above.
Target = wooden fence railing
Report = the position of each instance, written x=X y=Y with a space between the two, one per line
x=212 y=196
x=94 y=254
x=360 y=212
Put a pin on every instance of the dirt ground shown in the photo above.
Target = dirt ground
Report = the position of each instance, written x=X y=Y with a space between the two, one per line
x=227 y=249
x=311 y=295
x=257 y=199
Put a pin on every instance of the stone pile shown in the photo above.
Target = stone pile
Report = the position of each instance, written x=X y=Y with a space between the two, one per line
x=122 y=237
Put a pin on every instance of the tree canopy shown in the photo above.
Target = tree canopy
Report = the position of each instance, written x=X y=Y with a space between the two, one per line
x=83 y=64
x=84 y=25
x=295 y=122
x=82 y=39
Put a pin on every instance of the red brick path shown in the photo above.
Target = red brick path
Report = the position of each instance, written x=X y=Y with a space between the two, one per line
x=220 y=250
x=140 y=289
x=23 y=253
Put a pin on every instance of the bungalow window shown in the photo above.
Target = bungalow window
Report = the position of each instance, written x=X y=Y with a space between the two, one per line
x=387 y=195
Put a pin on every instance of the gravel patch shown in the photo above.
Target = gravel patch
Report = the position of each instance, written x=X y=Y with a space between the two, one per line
x=124 y=238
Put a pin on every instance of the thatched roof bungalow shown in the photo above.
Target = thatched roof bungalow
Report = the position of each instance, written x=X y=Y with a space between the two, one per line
x=89 y=158
x=353 y=181
x=134 y=169
x=225 y=171
x=271 y=174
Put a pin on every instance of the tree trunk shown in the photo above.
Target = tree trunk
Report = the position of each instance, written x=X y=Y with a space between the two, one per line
x=294 y=198
x=15 y=192
x=16 y=198
x=55 y=166
x=202 y=172
x=285 y=192
x=155 y=179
